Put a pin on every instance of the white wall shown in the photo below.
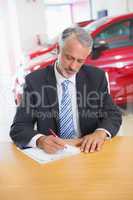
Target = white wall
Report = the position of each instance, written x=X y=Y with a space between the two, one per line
x=7 y=59
x=114 y=7
x=81 y=11
x=64 y=14
x=57 y=18
x=130 y=5
x=31 y=22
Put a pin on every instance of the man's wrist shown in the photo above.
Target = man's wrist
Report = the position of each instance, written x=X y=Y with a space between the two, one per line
x=33 y=140
x=108 y=134
x=101 y=133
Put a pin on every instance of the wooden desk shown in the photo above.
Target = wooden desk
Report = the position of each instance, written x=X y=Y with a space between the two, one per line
x=106 y=175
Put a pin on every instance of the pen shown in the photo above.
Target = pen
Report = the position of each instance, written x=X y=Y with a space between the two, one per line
x=52 y=132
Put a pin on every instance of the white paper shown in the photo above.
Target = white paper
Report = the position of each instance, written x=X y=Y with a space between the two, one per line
x=42 y=157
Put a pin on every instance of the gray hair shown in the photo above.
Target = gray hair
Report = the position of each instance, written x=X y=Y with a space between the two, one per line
x=82 y=36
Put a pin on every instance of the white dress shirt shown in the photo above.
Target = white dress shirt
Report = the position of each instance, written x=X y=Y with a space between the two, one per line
x=73 y=95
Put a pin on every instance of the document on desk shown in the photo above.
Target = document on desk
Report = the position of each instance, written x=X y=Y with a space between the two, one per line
x=42 y=157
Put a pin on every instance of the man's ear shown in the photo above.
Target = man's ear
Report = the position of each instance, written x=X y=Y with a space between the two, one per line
x=58 y=53
x=58 y=49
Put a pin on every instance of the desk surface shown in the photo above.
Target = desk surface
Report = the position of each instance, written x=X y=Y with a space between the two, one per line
x=105 y=175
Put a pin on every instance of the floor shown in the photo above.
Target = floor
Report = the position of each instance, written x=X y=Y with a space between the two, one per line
x=127 y=125
x=7 y=106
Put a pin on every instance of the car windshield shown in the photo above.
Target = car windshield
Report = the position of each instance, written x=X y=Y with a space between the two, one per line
x=96 y=24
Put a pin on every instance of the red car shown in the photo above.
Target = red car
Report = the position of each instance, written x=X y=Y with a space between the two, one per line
x=112 y=52
x=84 y=23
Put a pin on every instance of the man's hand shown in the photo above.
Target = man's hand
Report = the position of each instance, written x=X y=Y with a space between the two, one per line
x=93 y=142
x=50 y=144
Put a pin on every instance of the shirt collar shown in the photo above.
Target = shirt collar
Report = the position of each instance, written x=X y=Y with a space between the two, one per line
x=60 y=78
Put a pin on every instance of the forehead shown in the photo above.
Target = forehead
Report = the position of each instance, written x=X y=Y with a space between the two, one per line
x=73 y=46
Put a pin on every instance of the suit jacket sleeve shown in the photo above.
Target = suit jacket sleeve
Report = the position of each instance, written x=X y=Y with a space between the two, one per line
x=22 y=129
x=110 y=118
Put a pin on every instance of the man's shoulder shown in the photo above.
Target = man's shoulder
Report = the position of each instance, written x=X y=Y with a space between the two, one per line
x=91 y=75
x=91 y=72
x=39 y=74
x=89 y=69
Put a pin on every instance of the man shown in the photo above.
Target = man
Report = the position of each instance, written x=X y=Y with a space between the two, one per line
x=69 y=99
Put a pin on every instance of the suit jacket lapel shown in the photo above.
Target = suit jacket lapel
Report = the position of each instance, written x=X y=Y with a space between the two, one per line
x=83 y=87
x=51 y=91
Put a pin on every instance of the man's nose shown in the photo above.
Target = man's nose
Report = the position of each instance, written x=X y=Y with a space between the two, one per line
x=73 y=65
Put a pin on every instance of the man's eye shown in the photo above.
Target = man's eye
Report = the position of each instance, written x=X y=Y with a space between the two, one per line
x=68 y=57
x=80 y=61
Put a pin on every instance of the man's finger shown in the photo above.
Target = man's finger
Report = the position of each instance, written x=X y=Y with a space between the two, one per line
x=86 y=145
x=57 y=145
x=49 y=149
x=99 y=145
x=54 y=142
x=93 y=146
x=59 y=141
x=83 y=144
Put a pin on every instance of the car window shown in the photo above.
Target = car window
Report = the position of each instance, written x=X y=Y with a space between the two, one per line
x=96 y=24
x=117 y=35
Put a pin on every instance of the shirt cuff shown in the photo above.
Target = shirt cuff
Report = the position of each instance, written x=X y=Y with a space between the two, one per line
x=32 y=142
x=107 y=132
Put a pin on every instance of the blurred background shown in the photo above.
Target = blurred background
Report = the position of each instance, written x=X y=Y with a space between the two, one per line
x=28 y=41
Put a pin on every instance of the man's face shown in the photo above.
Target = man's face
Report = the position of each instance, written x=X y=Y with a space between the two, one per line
x=71 y=57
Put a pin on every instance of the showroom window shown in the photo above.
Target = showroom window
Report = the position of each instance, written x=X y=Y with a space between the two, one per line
x=60 y=14
x=117 y=35
x=58 y=17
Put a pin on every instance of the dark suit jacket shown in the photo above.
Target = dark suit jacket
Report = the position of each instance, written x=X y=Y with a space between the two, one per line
x=40 y=105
